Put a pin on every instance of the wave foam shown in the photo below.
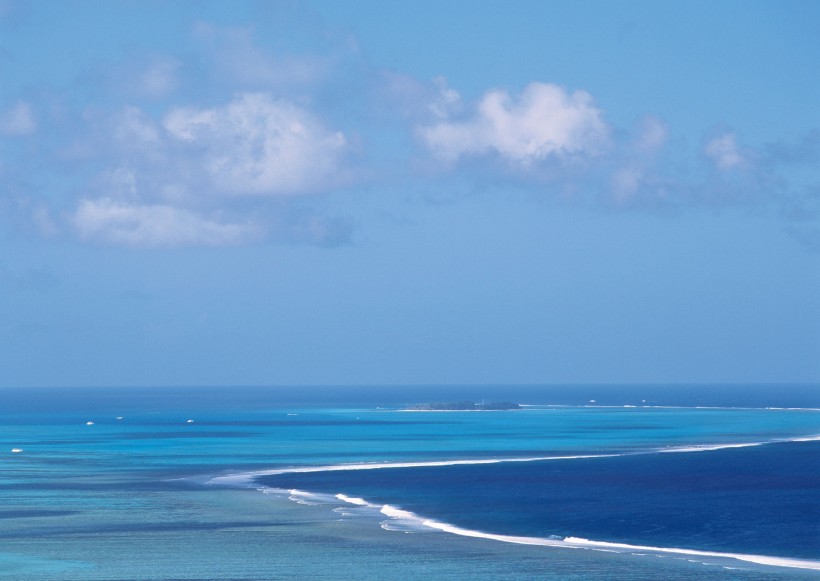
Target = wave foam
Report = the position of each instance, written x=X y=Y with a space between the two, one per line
x=757 y=559
x=710 y=447
x=308 y=498
x=610 y=547
x=806 y=439
x=246 y=479
x=353 y=500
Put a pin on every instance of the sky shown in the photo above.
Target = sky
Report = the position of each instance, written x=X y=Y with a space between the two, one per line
x=398 y=193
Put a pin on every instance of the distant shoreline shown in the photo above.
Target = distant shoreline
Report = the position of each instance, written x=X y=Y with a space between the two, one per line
x=463 y=406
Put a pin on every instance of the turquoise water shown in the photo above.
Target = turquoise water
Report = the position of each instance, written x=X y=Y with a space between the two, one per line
x=154 y=496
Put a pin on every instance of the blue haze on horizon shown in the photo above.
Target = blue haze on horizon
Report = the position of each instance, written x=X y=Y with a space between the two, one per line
x=317 y=192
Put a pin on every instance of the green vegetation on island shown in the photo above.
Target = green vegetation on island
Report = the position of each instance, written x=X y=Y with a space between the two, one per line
x=464 y=406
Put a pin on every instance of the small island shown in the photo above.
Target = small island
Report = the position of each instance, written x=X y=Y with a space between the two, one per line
x=462 y=406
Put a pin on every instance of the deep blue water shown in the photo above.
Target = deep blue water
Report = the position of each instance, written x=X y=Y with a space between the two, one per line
x=761 y=500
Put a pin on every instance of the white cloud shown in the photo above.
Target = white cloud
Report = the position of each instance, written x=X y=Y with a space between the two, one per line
x=173 y=183
x=724 y=152
x=106 y=220
x=256 y=145
x=546 y=121
x=18 y=120
x=447 y=100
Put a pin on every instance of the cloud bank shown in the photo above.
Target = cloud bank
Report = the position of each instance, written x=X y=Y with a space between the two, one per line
x=178 y=176
x=236 y=143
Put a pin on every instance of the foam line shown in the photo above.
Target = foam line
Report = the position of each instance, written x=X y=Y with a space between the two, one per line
x=710 y=448
x=806 y=439
x=581 y=543
x=308 y=498
x=394 y=512
x=247 y=478
x=353 y=500
x=758 y=559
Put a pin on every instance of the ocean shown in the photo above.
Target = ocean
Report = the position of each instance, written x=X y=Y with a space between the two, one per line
x=580 y=483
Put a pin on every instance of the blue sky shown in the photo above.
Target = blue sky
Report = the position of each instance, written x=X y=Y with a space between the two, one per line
x=376 y=192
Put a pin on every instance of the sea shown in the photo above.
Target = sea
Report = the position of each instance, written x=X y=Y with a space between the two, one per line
x=581 y=482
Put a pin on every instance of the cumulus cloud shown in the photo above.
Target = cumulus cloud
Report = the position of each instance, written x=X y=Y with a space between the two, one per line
x=546 y=121
x=446 y=101
x=724 y=152
x=111 y=221
x=171 y=183
x=256 y=145
x=18 y=120
x=229 y=142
